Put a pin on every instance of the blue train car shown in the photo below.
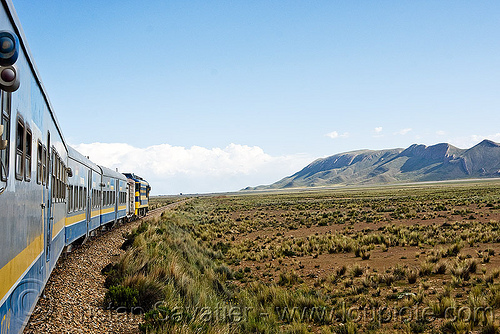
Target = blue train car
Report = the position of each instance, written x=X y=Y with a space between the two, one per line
x=113 y=204
x=33 y=165
x=83 y=200
x=142 y=190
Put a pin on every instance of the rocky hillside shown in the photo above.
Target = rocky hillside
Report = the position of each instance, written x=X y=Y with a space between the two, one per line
x=416 y=163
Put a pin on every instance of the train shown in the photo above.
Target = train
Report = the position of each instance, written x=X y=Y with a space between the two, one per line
x=51 y=196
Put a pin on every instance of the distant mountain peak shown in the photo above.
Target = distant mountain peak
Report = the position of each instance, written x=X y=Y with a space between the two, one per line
x=416 y=163
x=488 y=143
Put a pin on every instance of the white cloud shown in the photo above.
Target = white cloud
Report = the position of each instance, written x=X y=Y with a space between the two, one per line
x=335 y=134
x=402 y=132
x=441 y=133
x=469 y=141
x=378 y=129
x=175 y=169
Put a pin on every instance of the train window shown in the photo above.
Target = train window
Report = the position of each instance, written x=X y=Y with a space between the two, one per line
x=64 y=181
x=51 y=175
x=55 y=176
x=55 y=185
x=58 y=179
x=80 y=197
x=70 y=198
x=61 y=183
x=5 y=121
x=75 y=199
x=39 y=152
x=47 y=160
x=27 y=169
x=20 y=137
x=84 y=198
x=44 y=165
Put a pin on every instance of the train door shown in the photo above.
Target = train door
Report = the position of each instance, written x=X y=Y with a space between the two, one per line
x=49 y=216
x=88 y=201
x=117 y=191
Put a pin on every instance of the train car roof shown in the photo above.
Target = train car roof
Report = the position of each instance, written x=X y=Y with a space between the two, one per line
x=136 y=178
x=14 y=19
x=111 y=173
x=77 y=156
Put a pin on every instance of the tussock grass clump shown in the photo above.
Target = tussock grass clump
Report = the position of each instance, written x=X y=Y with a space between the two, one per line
x=426 y=269
x=121 y=297
x=130 y=238
x=440 y=268
x=289 y=279
x=463 y=269
x=412 y=276
x=444 y=307
x=356 y=270
x=347 y=328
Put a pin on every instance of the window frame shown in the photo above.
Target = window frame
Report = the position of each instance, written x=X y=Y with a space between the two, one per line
x=39 y=169
x=28 y=154
x=20 y=148
x=5 y=116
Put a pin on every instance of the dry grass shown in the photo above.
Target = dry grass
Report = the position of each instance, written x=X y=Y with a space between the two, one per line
x=298 y=262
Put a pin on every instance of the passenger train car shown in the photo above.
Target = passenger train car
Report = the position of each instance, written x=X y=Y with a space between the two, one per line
x=50 y=195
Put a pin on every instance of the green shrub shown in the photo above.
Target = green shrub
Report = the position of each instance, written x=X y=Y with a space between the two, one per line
x=122 y=297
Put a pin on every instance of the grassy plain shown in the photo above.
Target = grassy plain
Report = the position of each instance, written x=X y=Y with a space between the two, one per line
x=406 y=259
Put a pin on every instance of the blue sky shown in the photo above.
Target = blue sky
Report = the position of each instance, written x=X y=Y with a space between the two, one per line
x=239 y=93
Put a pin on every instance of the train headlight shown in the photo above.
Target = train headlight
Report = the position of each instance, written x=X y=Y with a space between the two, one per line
x=9 y=80
x=9 y=48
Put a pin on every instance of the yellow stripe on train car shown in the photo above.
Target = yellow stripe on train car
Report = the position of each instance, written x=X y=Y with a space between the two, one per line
x=58 y=227
x=75 y=219
x=12 y=271
x=108 y=210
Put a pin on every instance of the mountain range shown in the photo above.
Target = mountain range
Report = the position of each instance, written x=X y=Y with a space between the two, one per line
x=416 y=163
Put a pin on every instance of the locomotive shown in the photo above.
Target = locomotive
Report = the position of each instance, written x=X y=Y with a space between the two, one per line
x=50 y=195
